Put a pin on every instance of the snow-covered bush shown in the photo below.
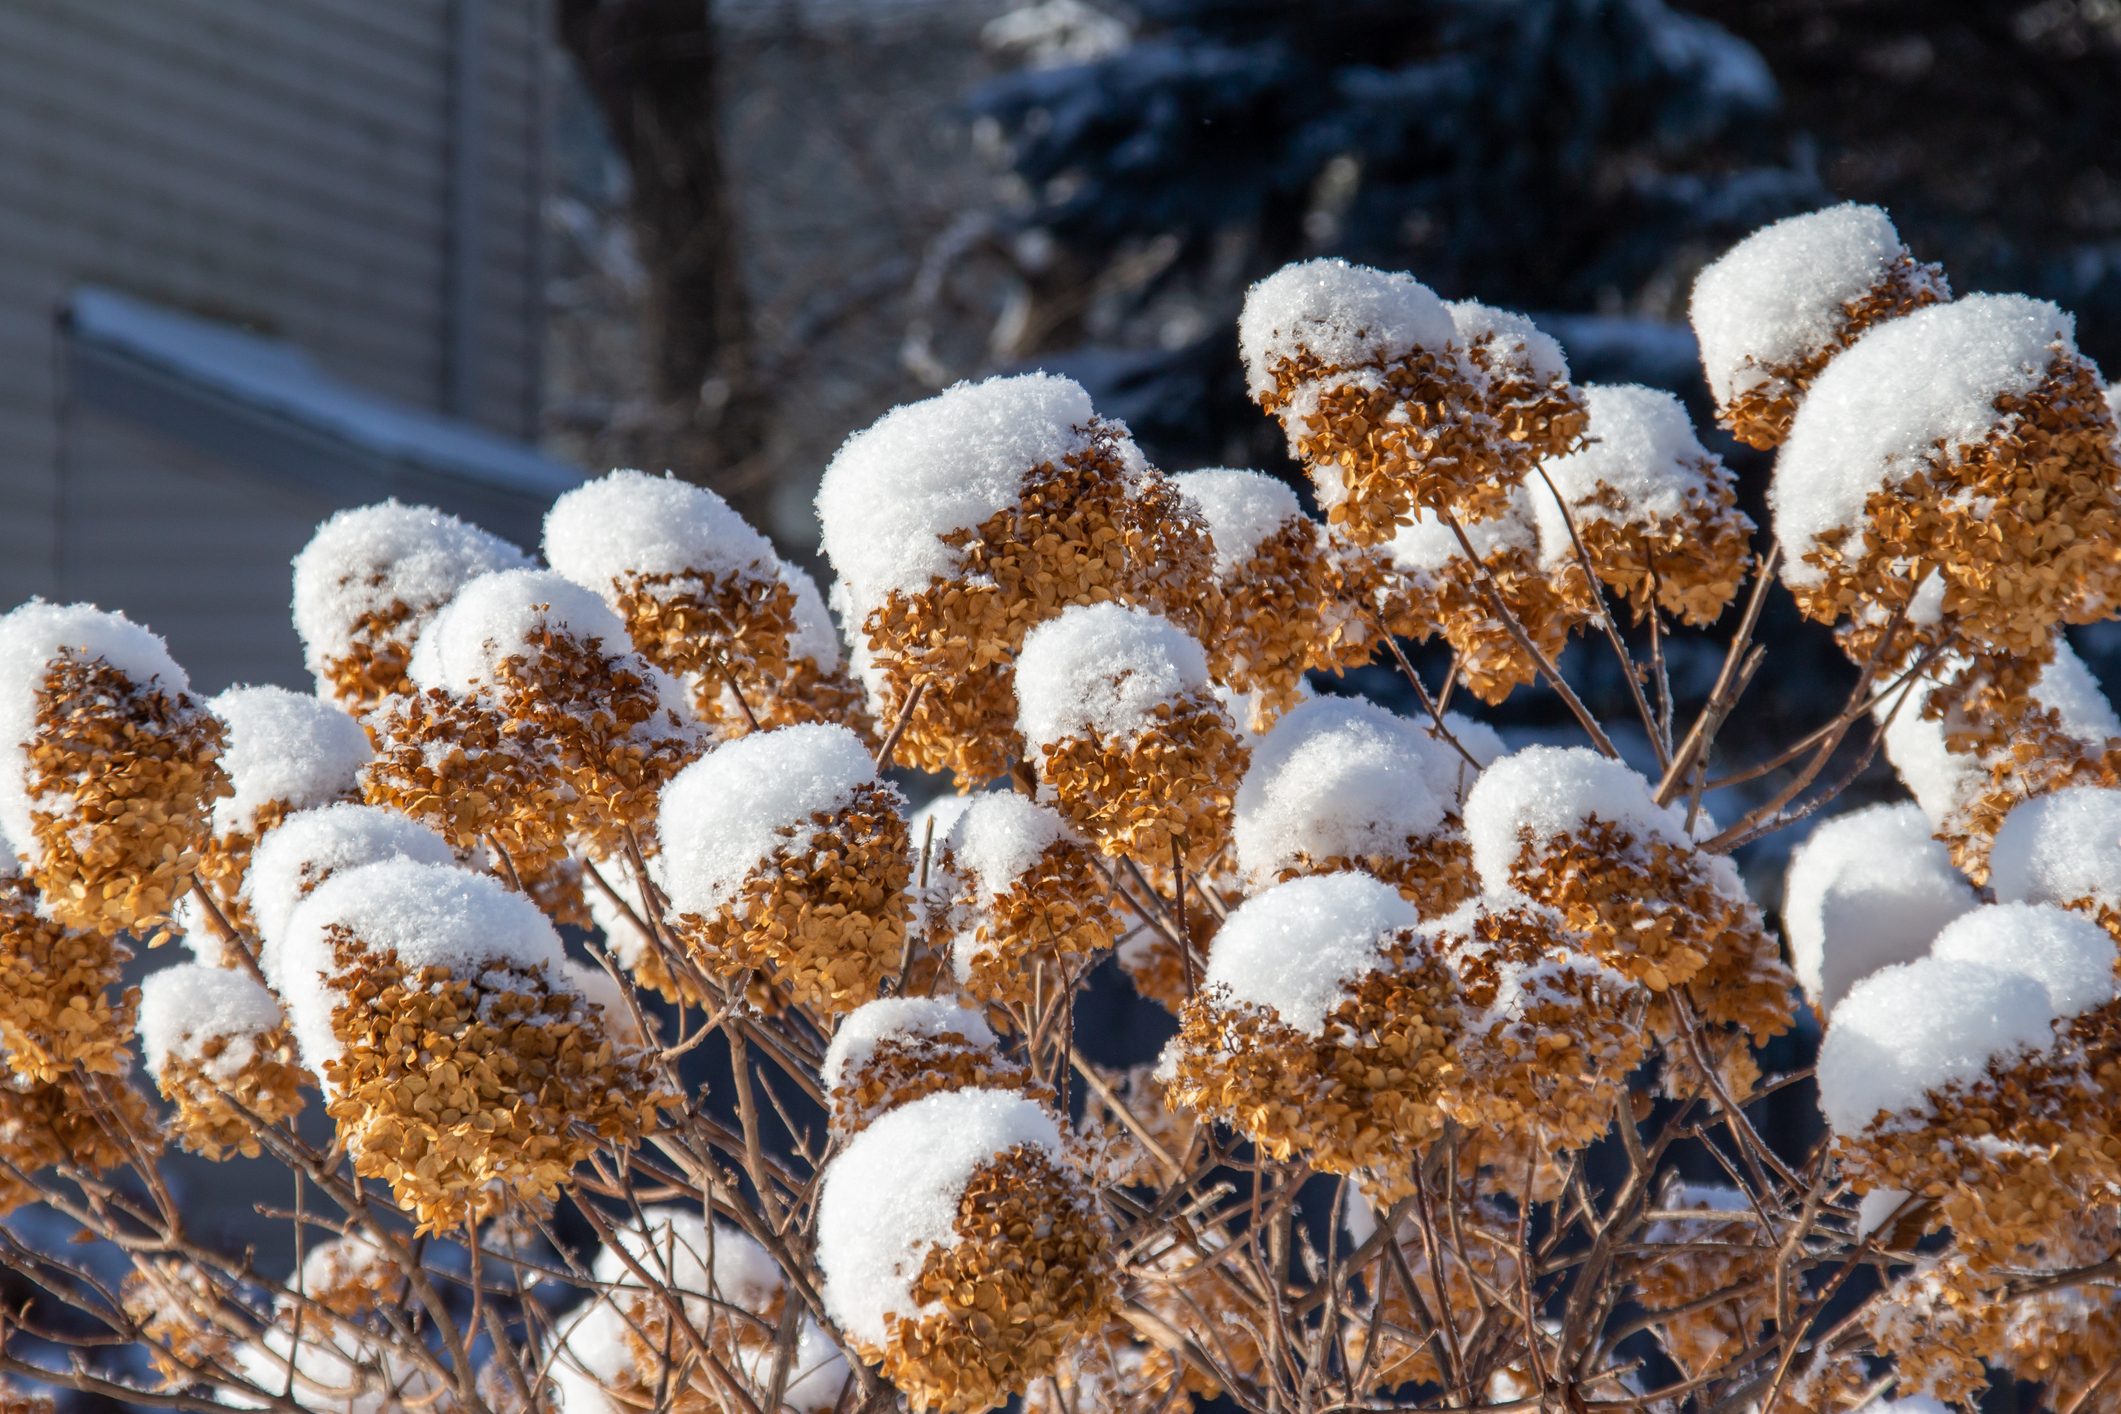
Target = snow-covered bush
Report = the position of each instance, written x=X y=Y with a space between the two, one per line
x=584 y=899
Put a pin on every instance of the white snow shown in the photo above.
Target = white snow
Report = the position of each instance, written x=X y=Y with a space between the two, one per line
x=1919 y=1026
x=365 y=559
x=311 y=845
x=914 y=1017
x=1451 y=776
x=999 y=836
x=1509 y=339
x=1865 y=890
x=1642 y=447
x=629 y=524
x=1337 y=776
x=695 y=1259
x=1298 y=947
x=33 y=637
x=1879 y=410
x=1778 y=297
x=747 y=800
x=2060 y=848
x=1103 y=669
x=946 y=463
x=1422 y=548
x=1544 y=791
x=496 y=617
x=184 y=1007
x=1242 y=508
x=816 y=1374
x=817 y=634
x=430 y=915
x=284 y=748
x=2069 y=955
x=1340 y=313
x=892 y=1195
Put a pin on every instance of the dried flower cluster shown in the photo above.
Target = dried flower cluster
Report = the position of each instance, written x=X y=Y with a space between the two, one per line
x=626 y=1043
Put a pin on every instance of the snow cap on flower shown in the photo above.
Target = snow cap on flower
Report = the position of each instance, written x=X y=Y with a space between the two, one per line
x=1296 y=948
x=1866 y=890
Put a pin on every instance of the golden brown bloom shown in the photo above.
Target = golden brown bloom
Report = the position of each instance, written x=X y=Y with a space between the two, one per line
x=367 y=584
x=190 y=1316
x=108 y=768
x=1651 y=509
x=787 y=856
x=1128 y=739
x=62 y=1000
x=220 y=1050
x=958 y=523
x=1030 y=905
x=460 y=1062
x=962 y=1250
x=892 y=1051
x=1324 y=1027
x=93 y=1123
x=1707 y=1273
x=1776 y=308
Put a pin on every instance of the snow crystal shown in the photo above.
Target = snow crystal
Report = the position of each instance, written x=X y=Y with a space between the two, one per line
x=311 y=845
x=749 y=799
x=1242 y=508
x=632 y=524
x=1340 y=313
x=32 y=638
x=1866 y=890
x=1506 y=333
x=497 y=616
x=679 y=1248
x=2071 y=957
x=1543 y=791
x=284 y=748
x=1779 y=296
x=999 y=836
x=367 y=559
x=184 y=1007
x=431 y=915
x=2060 y=848
x=1336 y=777
x=895 y=489
x=892 y=1195
x=1877 y=412
x=1919 y=1026
x=866 y=1025
x=1102 y=668
x=1642 y=447
x=1296 y=948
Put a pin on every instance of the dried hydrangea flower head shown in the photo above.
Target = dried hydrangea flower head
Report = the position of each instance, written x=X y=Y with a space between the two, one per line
x=221 y=1051
x=92 y=1123
x=367 y=583
x=1967 y=441
x=1959 y=1076
x=1579 y=832
x=1030 y=905
x=1280 y=610
x=786 y=855
x=284 y=752
x=1969 y=771
x=1707 y=1244
x=961 y=1249
x=1548 y=1034
x=310 y=846
x=1424 y=584
x=62 y=997
x=350 y=1275
x=957 y=523
x=460 y=1062
x=2063 y=849
x=1773 y=310
x=108 y=767
x=1864 y=891
x=698 y=589
x=329 y=1362
x=536 y=728
x=1364 y=370
x=817 y=685
x=1125 y=733
x=1524 y=383
x=1341 y=783
x=1324 y=1027
x=892 y=1051
x=1655 y=512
